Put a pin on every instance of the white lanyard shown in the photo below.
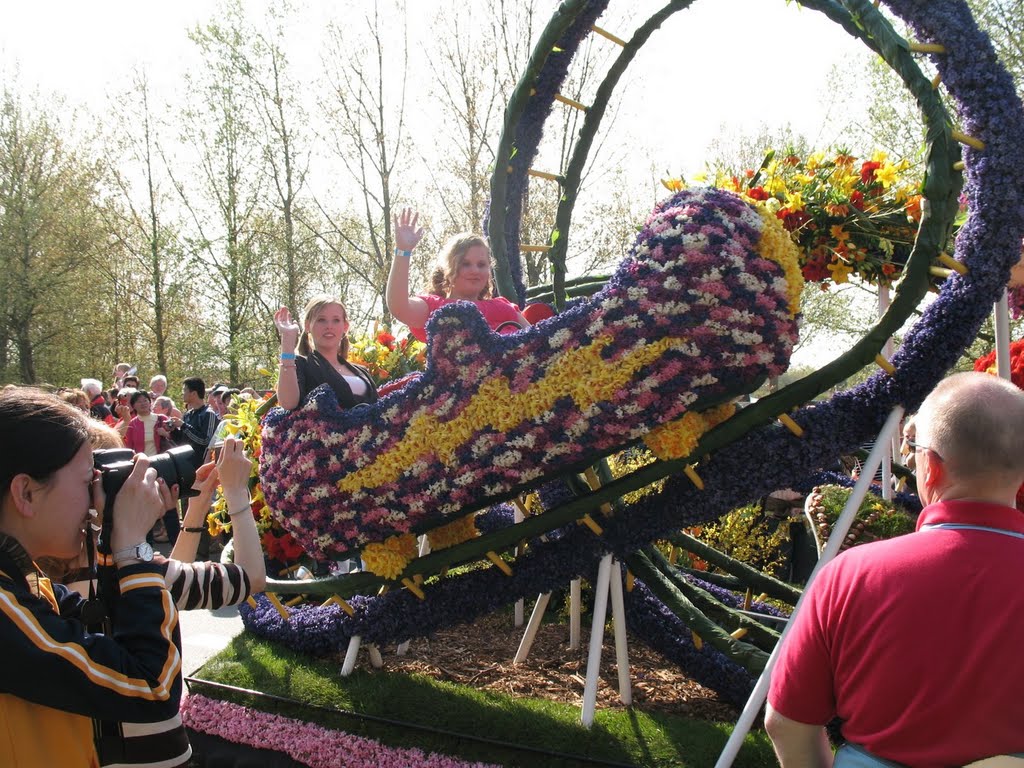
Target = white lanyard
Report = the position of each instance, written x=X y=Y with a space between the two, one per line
x=967 y=527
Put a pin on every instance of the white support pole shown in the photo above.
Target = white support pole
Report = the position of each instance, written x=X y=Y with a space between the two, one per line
x=531 y=629
x=517 y=517
x=619 y=621
x=1002 y=321
x=375 y=658
x=574 y=614
x=596 y=639
x=839 y=531
x=350 y=655
x=887 y=349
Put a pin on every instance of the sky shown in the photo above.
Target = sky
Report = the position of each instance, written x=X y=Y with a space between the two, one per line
x=718 y=68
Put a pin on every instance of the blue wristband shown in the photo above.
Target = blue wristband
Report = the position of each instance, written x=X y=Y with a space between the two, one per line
x=401 y=252
x=287 y=355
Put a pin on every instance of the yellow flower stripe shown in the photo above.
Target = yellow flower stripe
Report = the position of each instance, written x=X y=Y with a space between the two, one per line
x=389 y=558
x=678 y=438
x=777 y=245
x=453 y=533
x=579 y=373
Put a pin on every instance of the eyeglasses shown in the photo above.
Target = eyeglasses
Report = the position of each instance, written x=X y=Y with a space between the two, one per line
x=918 y=447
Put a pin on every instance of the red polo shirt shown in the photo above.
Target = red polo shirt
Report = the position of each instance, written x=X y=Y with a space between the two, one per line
x=917 y=643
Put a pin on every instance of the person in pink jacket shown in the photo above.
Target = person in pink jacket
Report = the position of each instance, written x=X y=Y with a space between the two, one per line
x=148 y=431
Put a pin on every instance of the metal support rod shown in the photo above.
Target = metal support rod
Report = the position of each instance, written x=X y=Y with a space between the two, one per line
x=839 y=531
x=1002 y=320
x=621 y=646
x=531 y=628
x=887 y=350
x=596 y=640
x=350 y=655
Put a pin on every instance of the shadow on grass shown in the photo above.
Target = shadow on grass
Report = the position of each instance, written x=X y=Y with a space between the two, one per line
x=417 y=711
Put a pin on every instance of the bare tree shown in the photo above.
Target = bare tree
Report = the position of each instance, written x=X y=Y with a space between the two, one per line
x=137 y=219
x=365 y=107
x=258 y=56
x=223 y=199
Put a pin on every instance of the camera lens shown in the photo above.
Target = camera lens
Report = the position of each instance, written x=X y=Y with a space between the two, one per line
x=174 y=466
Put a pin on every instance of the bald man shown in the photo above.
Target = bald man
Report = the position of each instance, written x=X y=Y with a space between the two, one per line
x=915 y=642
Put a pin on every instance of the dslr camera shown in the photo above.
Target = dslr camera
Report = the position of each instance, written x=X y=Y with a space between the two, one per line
x=174 y=466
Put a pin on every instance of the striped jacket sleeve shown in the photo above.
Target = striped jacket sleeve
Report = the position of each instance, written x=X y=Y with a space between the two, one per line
x=206 y=584
x=50 y=658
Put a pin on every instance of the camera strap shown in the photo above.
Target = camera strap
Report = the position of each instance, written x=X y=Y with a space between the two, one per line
x=107 y=735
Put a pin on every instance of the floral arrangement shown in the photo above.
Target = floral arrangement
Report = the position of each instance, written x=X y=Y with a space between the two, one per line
x=876 y=518
x=703 y=310
x=305 y=743
x=848 y=216
x=387 y=358
x=988 y=244
x=279 y=545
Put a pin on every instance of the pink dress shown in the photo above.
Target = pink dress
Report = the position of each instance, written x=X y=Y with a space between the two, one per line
x=495 y=311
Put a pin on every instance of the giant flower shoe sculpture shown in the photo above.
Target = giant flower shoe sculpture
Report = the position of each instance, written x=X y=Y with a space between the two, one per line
x=702 y=310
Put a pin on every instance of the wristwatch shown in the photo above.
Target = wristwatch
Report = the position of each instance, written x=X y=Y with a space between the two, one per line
x=141 y=551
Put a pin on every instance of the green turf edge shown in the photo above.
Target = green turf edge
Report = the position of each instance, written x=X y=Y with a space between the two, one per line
x=626 y=737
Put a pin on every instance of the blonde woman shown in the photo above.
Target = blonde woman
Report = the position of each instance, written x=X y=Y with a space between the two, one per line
x=463 y=274
x=317 y=353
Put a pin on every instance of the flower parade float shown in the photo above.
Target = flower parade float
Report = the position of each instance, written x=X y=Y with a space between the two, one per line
x=510 y=413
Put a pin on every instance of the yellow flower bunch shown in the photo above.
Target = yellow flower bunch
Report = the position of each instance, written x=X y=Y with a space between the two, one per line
x=777 y=245
x=453 y=533
x=388 y=358
x=389 y=558
x=677 y=439
x=580 y=373
x=627 y=462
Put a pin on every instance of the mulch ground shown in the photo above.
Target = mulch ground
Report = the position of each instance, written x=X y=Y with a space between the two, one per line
x=480 y=655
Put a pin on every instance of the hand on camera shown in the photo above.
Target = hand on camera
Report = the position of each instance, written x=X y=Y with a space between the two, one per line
x=234 y=467
x=139 y=503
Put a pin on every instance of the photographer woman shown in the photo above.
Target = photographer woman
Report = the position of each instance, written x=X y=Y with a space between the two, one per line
x=193 y=585
x=56 y=676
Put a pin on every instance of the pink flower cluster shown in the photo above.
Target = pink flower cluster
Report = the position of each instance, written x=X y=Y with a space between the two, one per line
x=306 y=743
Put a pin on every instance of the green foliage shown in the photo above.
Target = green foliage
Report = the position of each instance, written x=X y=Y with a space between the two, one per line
x=876 y=518
x=748 y=536
x=621 y=736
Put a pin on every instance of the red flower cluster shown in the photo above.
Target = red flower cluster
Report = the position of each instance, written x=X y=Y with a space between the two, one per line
x=283 y=548
x=987 y=363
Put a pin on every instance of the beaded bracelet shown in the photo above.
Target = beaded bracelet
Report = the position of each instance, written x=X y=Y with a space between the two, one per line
x=403 y=252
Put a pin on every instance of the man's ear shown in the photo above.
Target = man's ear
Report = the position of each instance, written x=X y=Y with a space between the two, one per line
x=22 y=489
x=934 y=471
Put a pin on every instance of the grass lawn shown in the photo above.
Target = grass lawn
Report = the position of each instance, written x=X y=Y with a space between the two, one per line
x=418 y=711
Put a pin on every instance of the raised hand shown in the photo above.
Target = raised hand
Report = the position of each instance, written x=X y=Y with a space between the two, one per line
x=287 y=328
x=407 y=234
